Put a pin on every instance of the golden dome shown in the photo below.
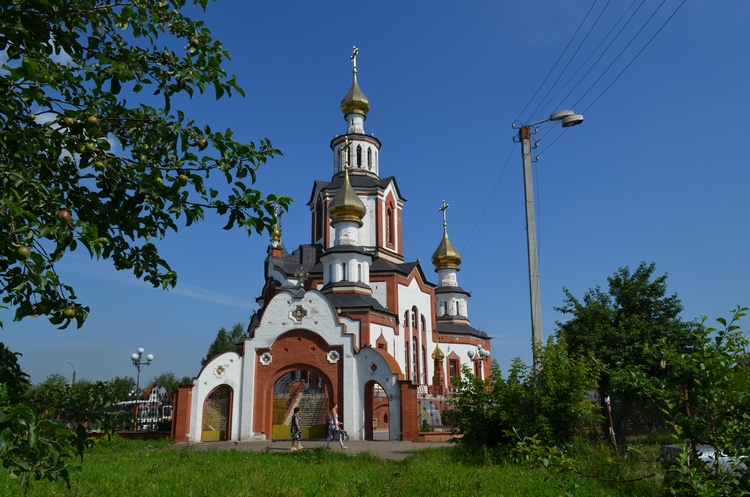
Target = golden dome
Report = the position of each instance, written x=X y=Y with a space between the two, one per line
x=346 y=205
x=437 y=354
x=446 y=256
x=355 y=100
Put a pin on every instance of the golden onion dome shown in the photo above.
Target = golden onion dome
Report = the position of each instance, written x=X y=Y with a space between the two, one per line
x=346 y=205
x=437 y=354
x=446 y=256
x=355 y=101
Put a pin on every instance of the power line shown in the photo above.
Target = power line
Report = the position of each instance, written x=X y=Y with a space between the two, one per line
x=556 y=62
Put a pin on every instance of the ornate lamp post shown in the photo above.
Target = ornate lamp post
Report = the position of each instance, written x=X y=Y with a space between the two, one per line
x=137 y=362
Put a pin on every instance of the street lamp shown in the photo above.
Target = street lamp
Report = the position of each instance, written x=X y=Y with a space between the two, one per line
x=73 y=382
x=137 y=362
x=481 y=354
x=567 y=119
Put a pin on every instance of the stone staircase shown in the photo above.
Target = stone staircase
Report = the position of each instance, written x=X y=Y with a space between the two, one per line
x=313 y=409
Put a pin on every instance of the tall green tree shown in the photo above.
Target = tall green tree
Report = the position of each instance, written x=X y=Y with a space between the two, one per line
x=613 y=326
x=93 y=153
x=225 y=342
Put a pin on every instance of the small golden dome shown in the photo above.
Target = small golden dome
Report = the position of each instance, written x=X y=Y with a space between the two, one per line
x=346 y=205
x=446 y=256
x=355 y=101
x=437 y=354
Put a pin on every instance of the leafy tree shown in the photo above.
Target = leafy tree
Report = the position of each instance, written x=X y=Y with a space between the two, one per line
x=614 y=326
x=122 y=387
x=549 y=401
x=225 y=342
x=706 y=399
x=169 y=381
x=92 y=152
x=45 y=429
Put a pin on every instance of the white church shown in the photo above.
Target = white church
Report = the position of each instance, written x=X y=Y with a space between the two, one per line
x=344 y=319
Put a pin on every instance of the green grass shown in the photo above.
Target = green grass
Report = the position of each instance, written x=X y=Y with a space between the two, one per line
x=125 y=468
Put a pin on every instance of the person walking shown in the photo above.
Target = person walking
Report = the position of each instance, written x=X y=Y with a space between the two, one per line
x=335 y=427
x=296 y=430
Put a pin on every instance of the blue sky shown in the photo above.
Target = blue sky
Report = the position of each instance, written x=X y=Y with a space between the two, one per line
x=655 y=173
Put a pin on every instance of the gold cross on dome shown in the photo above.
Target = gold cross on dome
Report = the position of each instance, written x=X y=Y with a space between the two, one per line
x=353 y=58
x=443 y=209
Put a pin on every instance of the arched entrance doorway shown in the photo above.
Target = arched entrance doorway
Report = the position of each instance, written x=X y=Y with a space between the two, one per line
x=216 y=417
x=307 y=389
x=377 y=412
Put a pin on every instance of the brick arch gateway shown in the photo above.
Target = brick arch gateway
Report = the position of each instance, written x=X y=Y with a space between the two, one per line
x=296 y=350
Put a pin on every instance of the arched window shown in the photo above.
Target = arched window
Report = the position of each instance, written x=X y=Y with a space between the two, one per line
x=414 y=314
x=423 y=324
x=415 y=359
x=389 y=226
x=319 y=215
x=359 y=156
x=369 y=158
x=344 y=275
x=406 y=319
x=406 y=355
x=359 y=272
x=445 y=308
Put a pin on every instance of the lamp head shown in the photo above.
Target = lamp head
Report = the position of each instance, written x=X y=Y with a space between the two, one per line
x=150 y=357
x=140 y=350
x=471 y=353
x=134 y=356
x=571 y=120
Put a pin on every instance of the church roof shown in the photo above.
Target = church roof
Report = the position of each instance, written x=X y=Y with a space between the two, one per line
x=460 y=329
x=306 y=255
x=358 y=182
x=350 y=301
x=451 y=289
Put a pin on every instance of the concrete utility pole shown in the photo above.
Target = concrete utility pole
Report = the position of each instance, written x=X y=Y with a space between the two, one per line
x=568 y=118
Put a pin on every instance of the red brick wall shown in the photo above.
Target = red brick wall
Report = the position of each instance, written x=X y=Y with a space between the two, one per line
x=409 y=410
x=181 y=413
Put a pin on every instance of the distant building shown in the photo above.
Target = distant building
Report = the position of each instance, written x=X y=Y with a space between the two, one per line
x=343 y=318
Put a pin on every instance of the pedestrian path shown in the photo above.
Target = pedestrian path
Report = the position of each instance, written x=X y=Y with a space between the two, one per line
x=395 y=450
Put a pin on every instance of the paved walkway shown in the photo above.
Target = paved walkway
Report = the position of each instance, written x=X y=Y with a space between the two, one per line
x=383 y=449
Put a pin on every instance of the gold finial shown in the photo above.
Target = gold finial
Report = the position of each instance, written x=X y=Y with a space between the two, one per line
x=355 y=101
x=346 y=204
x=446 y=256
x=443 y=209
x=353 y=58
x=276 y=236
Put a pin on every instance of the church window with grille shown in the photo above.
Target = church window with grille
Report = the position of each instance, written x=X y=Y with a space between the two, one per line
x=369 y=158
x=359 y=156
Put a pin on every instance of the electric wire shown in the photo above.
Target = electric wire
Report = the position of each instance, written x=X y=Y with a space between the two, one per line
x=590 y=88
x=623 y=51
x=487 y=203
x=556 y=62
x=600 y=55
x=580 y=45
x=636 y=56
